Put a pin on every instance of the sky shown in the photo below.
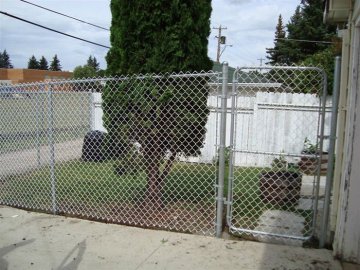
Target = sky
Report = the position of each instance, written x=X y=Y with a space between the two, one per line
x=250 y=30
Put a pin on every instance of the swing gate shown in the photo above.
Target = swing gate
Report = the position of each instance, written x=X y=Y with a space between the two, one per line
x=277 y=153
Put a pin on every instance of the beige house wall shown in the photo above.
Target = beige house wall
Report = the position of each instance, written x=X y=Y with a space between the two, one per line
x=345 y=213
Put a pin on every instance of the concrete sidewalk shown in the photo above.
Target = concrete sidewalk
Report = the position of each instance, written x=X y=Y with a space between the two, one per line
x=40 y=241
x=26 y=160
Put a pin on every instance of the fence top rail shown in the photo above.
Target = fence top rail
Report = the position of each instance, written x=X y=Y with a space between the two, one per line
x=298 y=68
x=114 y=78
x=280 y=67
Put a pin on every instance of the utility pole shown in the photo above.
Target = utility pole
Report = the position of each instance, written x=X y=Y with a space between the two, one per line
x=261 y=60
x=221 y=40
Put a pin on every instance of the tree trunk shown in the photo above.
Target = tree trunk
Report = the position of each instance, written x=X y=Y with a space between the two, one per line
x=153 y=193
x=155 y=178
x=153 y=157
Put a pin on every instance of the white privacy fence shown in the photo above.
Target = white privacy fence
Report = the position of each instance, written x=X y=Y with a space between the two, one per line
x=266 y=121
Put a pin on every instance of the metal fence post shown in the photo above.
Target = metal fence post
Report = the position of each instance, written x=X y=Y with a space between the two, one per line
x=321 y=131
x=52 y=148
x=220 y=189
x=232 y=149
x=92 y=110
x=38 y=131
x=330 y=169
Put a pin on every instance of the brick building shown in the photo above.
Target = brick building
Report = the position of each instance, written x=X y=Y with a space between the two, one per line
x=18 y=75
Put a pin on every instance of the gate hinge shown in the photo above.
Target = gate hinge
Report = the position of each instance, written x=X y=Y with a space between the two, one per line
x=221 y=199
x=226 y=202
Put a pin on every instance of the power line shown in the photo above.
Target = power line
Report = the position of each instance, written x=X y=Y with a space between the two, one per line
x=53 y=30
x=305 y=40
x=62 y=14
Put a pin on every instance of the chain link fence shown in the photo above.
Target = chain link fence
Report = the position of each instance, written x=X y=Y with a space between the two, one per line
x=157 y=151
x=144 y=167
x=277 y=152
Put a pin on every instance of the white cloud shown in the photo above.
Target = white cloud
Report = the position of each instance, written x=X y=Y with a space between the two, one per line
x=22 y=40
x=250 y=29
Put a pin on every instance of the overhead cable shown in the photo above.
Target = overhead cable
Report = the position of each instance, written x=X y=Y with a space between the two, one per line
x=62 y=14
x=305 y=40
x=53 y=30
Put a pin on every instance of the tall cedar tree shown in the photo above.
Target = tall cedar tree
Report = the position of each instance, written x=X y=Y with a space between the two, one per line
x=167 y=117
x=5 y=60
x=92 y=62
x=33 y=63
x=55 y=64
x=275 y=55
x=159 y=36
x=43 y=63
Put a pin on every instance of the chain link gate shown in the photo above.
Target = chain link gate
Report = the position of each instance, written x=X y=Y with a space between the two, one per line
x=137 y=150
x=277 y=162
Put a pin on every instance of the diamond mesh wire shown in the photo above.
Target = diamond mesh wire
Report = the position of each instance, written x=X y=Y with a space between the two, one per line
x=146 y=158
x=275 y=153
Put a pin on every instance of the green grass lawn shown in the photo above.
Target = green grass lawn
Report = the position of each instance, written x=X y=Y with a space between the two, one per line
x=97 y=183
x=96 y=186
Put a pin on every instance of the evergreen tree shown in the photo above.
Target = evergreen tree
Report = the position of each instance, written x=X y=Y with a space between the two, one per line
x=43 y=64
x=33 y=63
x=305 y=25
x=159 y=36
x=166 y=117
x=291 y=47
x=92 y=62
x=5 y=60
x=275 y=54
x=55 y=64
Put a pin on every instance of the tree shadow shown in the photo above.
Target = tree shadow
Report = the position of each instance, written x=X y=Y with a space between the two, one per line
x=7 y=249
x=74 y=257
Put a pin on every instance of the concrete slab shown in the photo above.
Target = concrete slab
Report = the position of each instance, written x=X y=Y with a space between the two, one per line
x=40 y=241
x=307 y=204
x=308 y=184
x=283 y=223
